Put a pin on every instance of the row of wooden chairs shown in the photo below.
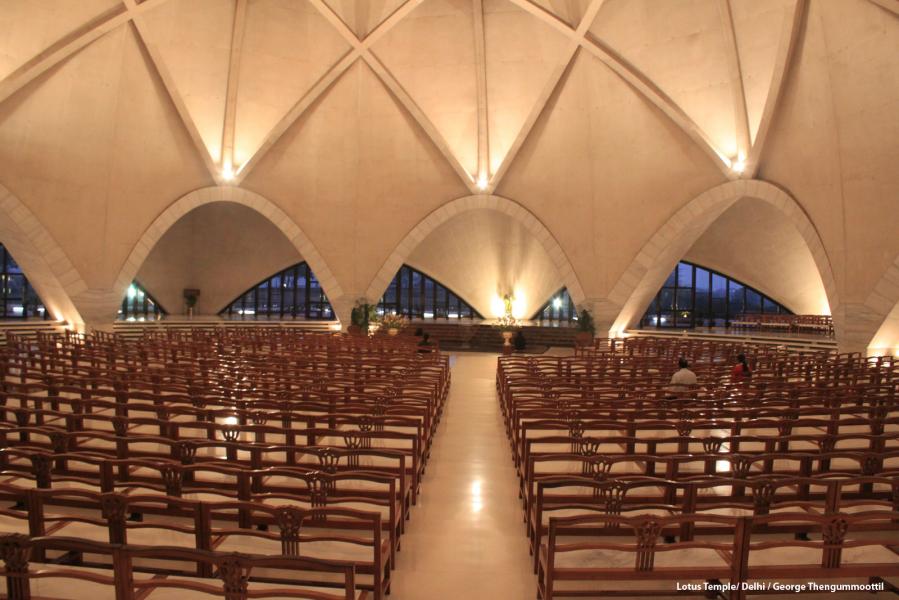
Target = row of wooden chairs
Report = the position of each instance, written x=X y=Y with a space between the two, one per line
x=601 y=441
x=236 y=575
x=574 y=562
x=182 y=425
x=821 y=324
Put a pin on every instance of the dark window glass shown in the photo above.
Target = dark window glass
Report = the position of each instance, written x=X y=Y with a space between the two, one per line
x=753 y=301
x=292 y=293
x=735 y=298
x=694 y=296
x=418 y=296
x=666 y=299
x=702 y=280
x=684 y=275
x=440 y=304
x=139 y=305
x=559 y=308
x=672 y=279
x=19 y=300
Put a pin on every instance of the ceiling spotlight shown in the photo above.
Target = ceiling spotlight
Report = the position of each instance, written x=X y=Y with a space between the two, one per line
x=482 y=182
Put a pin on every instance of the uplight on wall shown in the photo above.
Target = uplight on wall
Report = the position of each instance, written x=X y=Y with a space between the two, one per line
x=738 y=165
x=518 y=305
x=228 y=173
x=497 y=306
x=482 y=182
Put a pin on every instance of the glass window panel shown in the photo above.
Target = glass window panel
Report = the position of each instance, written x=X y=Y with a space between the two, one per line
x=440 y=309
x=559 y=308
x=416 y=295
x=684 y=299
x=287 y=301
x=702 y=280
x=684 y=275
x=15 y=288
x=753 y=301
x=672 y=278
x=274 y=297
x=284 y=295
x=17 y=298
x=11 y=265
x=390 y=294
x=701 y=304
x=719 y=286
x=429 y=299
x=666 y=299
x=735 y=293
x=695 y=296
x=138 y=305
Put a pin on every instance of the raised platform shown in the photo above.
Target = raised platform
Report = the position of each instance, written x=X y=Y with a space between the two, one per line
x=29 y=328
x=135 y=329
x=483 y=336
x=789 y=340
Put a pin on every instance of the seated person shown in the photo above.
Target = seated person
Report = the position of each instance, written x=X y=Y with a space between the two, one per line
x=519 y=342
x=684 y=379
x=741 y=371
x=425 y=344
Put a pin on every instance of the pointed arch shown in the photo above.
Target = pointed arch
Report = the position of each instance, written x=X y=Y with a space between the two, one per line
x=49 y=270
x=209 y=195
x=646 y=273
x=477 y=202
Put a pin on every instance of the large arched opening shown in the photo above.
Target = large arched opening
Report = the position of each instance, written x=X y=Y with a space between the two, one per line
x=747 y=218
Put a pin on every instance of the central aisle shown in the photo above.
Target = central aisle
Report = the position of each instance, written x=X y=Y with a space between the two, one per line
x=467 y=538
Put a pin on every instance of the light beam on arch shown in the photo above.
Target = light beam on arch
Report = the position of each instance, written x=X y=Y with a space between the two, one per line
x=477 y=202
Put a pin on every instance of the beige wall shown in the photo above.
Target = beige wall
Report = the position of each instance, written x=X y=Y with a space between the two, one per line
x=753 y=243
x=98 y=140
x=483 y=255
x=221 y=249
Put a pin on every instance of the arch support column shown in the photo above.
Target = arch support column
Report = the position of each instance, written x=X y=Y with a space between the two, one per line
x=45 y=265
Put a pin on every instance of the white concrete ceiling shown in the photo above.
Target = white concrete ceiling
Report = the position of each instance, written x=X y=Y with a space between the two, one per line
x=474 y=74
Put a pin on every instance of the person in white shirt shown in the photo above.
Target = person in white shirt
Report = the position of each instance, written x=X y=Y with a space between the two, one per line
x=684 y=379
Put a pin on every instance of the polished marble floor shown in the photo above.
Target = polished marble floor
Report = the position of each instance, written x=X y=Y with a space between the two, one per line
x=466 y=538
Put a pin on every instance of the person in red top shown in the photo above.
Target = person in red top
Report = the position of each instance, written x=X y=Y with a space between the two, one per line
x=741 y=370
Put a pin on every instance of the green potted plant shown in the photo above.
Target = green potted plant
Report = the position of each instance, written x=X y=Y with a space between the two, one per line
x=362 y=315
x=190 y=300
x=586 y=330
